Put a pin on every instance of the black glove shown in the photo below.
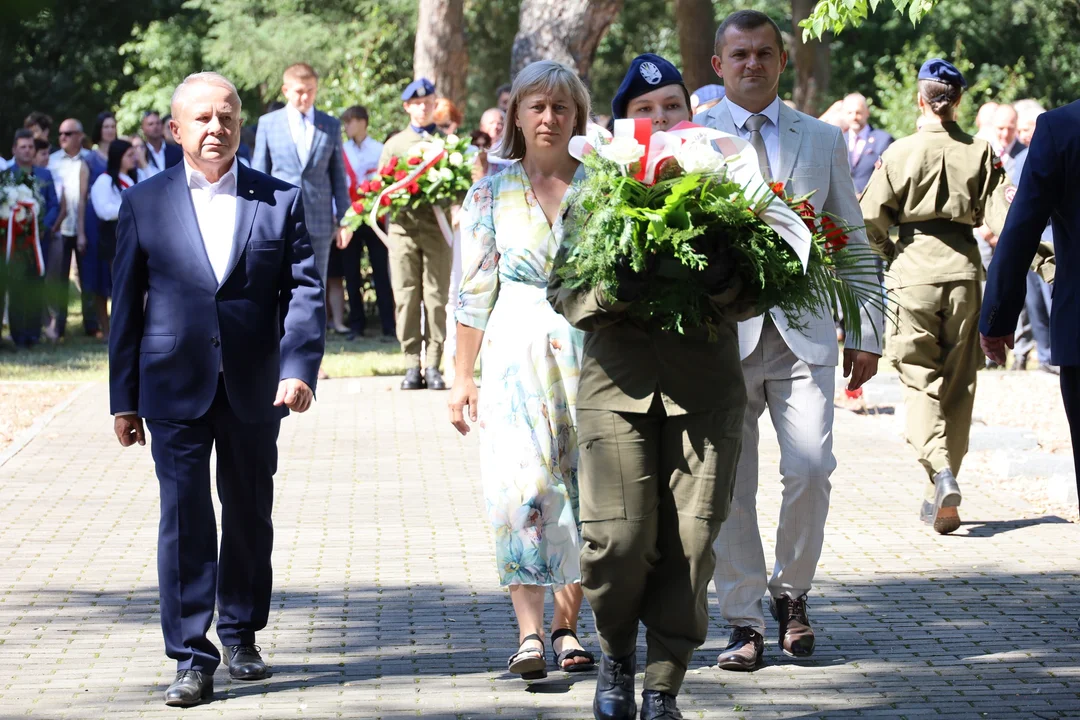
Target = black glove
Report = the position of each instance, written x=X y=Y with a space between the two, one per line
x=629 y=283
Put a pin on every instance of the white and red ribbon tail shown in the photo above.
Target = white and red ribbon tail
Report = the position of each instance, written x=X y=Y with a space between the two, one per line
x=429 y=161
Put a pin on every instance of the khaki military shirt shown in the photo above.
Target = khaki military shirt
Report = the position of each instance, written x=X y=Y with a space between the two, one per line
x=939 y=175
x=625 y=363
x=422 y=220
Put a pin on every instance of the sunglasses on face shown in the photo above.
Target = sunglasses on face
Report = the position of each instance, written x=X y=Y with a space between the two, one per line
x=67 y=133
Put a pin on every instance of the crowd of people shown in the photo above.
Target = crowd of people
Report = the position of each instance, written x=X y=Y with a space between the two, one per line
x=619 y=461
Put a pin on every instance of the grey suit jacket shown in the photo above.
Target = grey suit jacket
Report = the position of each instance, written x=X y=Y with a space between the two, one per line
x=813 y=159
x=322 y=182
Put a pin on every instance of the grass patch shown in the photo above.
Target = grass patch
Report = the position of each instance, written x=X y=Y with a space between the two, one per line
x=80 y=359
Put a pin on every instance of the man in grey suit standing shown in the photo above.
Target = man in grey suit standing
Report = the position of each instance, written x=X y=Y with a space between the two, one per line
x=790 y=370
x=302 y=146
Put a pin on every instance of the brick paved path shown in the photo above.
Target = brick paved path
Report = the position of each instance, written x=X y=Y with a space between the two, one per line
x=386 y=604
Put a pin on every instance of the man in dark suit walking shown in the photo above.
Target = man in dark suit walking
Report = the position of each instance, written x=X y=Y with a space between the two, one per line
x=218 y=330
x=865 y=144
x=1049 y=190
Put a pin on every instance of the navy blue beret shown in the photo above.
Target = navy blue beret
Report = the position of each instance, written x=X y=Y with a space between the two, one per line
x=647 y=72
x=943 y=71
x=421 y=87
x=708 y=93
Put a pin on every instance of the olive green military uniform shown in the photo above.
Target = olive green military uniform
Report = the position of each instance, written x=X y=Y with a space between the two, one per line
x=420 y=262
x=659 y=419
x=936 y=186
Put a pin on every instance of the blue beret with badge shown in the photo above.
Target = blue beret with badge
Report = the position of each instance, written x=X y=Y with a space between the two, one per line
x=942 y=71
x=419 y=88
x=647 y=72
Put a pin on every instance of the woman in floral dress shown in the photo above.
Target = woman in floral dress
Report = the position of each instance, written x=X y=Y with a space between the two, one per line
x=512 y=226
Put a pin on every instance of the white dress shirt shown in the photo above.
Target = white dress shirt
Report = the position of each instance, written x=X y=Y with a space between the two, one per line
x=302 y=129
x=363 y=158
x=215 y=211
x=770 y=131
x=67 y=171
x=155 y=159
x=856 y=143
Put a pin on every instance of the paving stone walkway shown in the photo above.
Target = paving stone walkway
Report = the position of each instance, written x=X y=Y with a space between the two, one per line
x=386 y=603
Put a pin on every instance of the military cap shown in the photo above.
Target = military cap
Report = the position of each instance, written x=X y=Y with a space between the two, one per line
x=647 y=72
x=942 y=71
x=421 y=87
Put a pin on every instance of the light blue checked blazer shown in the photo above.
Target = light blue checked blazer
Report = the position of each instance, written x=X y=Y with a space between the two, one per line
x=322 y=182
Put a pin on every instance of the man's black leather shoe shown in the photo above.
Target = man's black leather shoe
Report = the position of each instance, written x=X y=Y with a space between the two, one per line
x=656 y=705
x=614 y=699
x=434 y=379
x=245 y=662
x=190 y=687
x=413 y=380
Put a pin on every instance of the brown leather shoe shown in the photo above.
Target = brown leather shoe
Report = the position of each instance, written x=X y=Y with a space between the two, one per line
x=796 y=635
x=746 y=646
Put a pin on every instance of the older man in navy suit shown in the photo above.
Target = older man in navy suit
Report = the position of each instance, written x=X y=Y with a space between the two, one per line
x=1049 y=190
x=217 y=331
x=865 y=144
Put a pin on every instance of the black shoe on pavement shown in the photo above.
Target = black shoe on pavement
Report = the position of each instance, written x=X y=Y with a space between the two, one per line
x=245 y=662
x=413 y=380
x=744 y=652
x=434 y=379
x=191 y=687
x=656 y=705
x=614 y=698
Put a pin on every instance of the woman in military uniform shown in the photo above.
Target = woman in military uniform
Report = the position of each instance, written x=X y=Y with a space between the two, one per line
x=659 y=426
x=936 y=185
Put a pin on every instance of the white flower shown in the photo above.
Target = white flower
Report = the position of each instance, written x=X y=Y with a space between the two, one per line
x=699 y=156
x=456 y=159
x=20 y=214
x=446 y=174
x=24 y=194
x=622 y=151
x=452 y=139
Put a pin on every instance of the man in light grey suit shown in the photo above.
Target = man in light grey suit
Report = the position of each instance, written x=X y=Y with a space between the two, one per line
x=789 y=370
x=302 y=146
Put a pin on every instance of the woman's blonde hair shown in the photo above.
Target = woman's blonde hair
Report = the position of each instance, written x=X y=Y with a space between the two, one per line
x=545 y=77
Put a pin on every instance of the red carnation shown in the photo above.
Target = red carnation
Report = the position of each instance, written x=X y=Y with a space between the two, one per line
x=835 y=239
x=385 y=201
x=400 y=175
x=806 y=211
x=778 y=188
x=415 y=160
x=358 y=207
x=413 y=187
x=365 y=187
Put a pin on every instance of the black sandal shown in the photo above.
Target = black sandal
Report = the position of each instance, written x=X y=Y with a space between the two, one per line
x=526 y=663
x=572 y=653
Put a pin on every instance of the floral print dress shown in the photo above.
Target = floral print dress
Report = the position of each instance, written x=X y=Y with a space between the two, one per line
x=530 y=362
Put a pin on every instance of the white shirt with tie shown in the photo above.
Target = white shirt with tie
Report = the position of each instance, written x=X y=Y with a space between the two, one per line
x=302 y=129
x=770 y=131
x=215 y=212
x=155 y=159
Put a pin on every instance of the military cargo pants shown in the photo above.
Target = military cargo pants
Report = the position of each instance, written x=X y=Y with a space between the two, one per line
x=420 y=272
x=654 y=490
x=934 y=344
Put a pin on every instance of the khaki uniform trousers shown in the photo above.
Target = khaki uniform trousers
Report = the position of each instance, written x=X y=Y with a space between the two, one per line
x=420 y=272
x=933 y=342
x=654 y=490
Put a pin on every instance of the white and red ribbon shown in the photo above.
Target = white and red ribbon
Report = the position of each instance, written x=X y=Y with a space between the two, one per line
x=739 y=156
x=15 y=228
x=430 y=159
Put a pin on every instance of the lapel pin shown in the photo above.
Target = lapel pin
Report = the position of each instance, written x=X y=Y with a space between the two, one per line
x=251 y=192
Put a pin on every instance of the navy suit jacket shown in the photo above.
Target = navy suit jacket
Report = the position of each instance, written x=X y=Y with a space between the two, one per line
x=867 y=161
x=263 y=323
x=1049 y=189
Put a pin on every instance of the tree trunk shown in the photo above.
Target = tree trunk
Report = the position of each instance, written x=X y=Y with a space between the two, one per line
x=697 y=29
x=567 y=31
x=811 y=63
x=439 y=53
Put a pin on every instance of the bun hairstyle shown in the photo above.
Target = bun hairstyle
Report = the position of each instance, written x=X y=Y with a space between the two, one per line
x=941 y=97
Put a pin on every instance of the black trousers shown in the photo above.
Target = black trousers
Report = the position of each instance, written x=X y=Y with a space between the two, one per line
x=378 y=256
x=1070 y=394
x=57 y=269
x=193 y=575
